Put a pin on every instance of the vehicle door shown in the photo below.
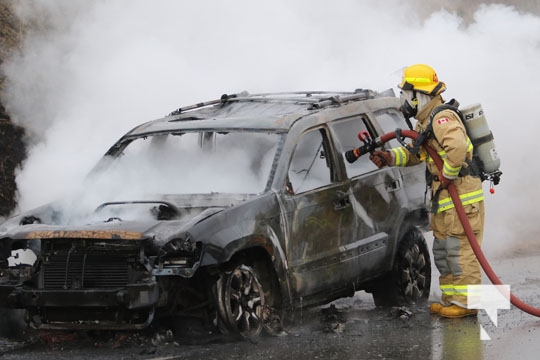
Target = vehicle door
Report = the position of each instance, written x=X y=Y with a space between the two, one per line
x=319 y=216
x=413 y=177
x=376 y=199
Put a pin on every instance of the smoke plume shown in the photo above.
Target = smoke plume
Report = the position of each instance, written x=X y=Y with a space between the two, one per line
x=96 y=69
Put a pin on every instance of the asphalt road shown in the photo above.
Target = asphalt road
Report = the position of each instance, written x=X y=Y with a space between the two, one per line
x=349 y=329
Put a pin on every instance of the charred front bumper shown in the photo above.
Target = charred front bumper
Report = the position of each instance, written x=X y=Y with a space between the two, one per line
x=129 y=307
x=132 y=307
x=93 y=279
x=81 y=284
x=129 y=297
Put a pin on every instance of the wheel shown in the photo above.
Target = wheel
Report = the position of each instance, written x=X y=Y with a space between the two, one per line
x=409 y=281
x=240 y=302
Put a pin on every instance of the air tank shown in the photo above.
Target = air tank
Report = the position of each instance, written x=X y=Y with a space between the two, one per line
x=481 y=137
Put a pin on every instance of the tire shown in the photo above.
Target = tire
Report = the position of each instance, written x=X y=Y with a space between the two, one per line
x=409 y=281
x=241 y=304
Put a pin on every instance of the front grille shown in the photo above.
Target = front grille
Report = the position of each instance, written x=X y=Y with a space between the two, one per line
x=87 y=268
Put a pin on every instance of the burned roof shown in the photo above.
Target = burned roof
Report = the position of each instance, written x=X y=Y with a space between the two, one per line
x=273 y=111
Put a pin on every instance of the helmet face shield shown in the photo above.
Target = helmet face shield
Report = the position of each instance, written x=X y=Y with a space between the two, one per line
x=406 y=86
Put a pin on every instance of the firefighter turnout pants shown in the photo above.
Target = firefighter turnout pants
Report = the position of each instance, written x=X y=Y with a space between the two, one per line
x=452 y=252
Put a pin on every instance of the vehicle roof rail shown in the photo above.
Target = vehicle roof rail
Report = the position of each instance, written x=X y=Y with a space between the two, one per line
x=314 y=99
x=223 y=99
x=359 y=94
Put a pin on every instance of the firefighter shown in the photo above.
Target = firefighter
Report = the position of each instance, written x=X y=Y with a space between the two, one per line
x=420 y=96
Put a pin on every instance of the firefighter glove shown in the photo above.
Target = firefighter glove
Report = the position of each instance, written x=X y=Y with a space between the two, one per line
x=381 y=158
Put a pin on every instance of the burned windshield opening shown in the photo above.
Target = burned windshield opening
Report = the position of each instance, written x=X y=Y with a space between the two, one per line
x=194 y=163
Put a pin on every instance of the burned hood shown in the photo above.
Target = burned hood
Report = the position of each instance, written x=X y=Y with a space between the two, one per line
x=129 y=230
x=160 y=231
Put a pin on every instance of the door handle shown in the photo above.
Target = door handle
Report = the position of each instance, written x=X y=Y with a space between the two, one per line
x=393 y=186
x=341 y=203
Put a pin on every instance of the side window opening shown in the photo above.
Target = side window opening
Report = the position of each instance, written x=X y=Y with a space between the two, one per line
x=311 y=165
x=390 y=120
x=346 y=131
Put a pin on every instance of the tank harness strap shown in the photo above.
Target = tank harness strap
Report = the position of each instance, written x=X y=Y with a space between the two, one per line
x=435 y=201
x=483 y=139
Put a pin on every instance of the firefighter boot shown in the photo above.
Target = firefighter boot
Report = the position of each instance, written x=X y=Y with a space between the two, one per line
x=454 y=311
x=435 y=308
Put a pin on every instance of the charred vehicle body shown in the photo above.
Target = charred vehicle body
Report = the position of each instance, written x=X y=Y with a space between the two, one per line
x=238 y=210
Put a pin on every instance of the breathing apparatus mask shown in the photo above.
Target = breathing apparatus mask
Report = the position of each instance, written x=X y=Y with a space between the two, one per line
x=409 y=103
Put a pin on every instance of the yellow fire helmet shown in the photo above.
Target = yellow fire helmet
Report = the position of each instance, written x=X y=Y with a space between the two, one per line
x=422 y=78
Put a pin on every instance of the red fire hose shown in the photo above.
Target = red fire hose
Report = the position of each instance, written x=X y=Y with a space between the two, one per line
x=465 y=222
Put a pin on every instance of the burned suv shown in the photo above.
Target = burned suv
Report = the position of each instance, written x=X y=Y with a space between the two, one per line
x=239 y=210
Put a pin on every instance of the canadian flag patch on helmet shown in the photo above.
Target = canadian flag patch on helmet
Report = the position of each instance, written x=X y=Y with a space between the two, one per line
x=442 y=121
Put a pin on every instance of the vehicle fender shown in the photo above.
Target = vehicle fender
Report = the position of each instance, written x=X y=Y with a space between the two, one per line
x=222 y=243
x=404 y=223
x=227 y=242
x=394 y=237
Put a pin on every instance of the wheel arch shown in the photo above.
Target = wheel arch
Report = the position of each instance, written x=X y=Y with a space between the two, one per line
x=416 y=219
x=412 y=259
x=268 y=268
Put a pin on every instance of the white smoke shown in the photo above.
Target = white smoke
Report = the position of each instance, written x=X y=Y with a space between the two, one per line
x=111 y=65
